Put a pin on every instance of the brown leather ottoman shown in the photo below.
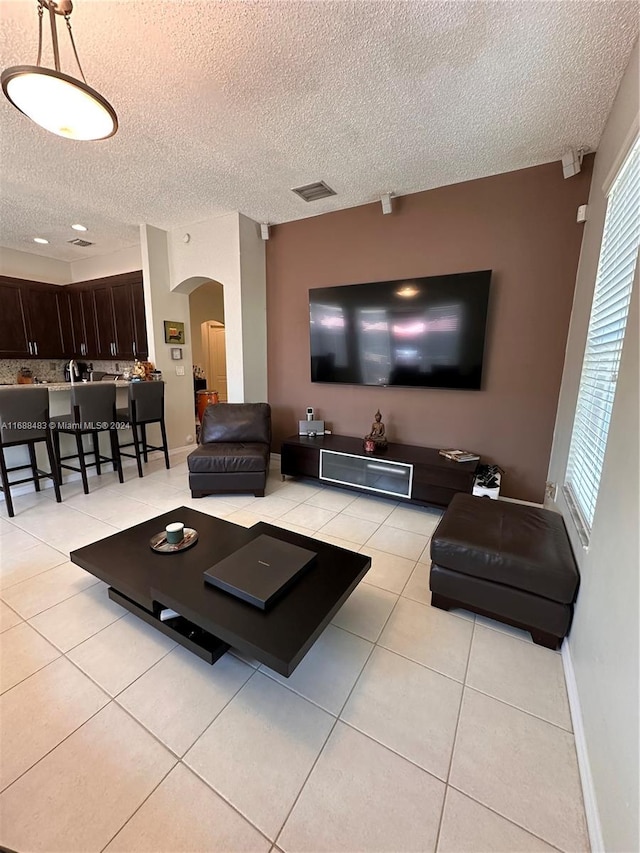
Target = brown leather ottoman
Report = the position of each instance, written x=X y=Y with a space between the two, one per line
x=507 y=561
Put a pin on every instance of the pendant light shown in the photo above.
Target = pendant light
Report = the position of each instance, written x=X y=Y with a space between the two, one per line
x=54 y=100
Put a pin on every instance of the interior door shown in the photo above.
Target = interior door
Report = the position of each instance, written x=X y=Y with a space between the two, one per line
x=215 y=352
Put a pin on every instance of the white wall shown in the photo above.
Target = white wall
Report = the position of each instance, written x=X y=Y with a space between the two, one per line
x=123 y=260
x=228 y=250
x=253 y=276
x=34 y=267
x=603 y=643
x=162 y=304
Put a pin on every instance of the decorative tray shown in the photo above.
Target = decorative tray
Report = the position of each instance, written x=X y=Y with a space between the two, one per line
x=160 y=545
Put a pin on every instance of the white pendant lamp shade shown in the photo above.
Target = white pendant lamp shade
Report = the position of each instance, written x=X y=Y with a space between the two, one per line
x=59 y=103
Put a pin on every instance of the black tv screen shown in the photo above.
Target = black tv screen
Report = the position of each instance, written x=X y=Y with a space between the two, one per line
x=420 y=332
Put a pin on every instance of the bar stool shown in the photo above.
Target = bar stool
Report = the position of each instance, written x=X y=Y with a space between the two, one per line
x=146 y=406
x=24 y=419
x=93 y=410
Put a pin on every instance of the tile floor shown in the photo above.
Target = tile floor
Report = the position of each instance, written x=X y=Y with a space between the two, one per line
x=404 y=729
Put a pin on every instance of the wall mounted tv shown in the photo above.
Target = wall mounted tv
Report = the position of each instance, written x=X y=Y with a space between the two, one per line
x=419 y=332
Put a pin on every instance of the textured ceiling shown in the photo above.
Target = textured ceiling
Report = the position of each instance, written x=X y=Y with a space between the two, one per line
x=226 y=106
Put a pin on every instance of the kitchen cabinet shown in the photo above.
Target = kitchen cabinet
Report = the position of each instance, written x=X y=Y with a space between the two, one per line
x=14 y=340
x=120 y=317
x=31 y=315
x=102 y=319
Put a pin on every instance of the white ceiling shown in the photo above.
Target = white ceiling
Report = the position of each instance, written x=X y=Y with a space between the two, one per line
x=227 y=105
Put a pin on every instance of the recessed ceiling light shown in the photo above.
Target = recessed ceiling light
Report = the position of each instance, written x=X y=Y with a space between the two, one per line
x=39 y=240
x=78 y=227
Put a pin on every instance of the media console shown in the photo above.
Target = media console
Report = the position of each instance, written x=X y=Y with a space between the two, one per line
x=414 y=474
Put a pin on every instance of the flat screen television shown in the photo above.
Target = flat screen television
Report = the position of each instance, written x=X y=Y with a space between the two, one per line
x=418 y=332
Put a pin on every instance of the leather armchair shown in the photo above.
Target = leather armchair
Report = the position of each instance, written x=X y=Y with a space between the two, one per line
x=233 y=454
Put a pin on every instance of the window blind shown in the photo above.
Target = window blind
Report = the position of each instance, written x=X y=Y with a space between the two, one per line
x=605 y=336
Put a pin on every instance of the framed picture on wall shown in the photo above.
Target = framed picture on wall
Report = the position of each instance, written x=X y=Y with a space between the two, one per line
x=176 y=353
x=173 y=332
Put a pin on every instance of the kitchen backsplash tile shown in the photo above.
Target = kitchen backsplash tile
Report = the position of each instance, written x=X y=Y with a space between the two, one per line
x=47 y=370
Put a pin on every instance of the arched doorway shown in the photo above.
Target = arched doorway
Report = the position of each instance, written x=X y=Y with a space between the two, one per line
x=208 y=348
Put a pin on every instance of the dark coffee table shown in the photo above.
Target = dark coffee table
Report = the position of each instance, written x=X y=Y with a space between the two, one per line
x=211 y=620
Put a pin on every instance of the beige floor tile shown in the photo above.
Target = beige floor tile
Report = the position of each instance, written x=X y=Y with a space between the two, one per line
x=396 y=541
x=410 y=709
x=59 y=699
x=106 y=505
x=522 y=674
x=271 y=506
x=504 y=628
x=210 y=505
x=8 y=618
x=371 y=509
x=237 y=501
x=417 y=589
x=47 y=589
x=388 y=571
x=365 y=611
x=5 y=527
x=429 y=636
x=201 y=822
x=351 y=528
x=22 y=652
x=468 y=827
x=178 y=697
x=64 y=528
x=297 y=490
x=521 y=767
x=329 y=670
x=258 y=751
x=27 y=562
x=335 y=540
x=80 y=794
x=243 y=517
x=143 y=512
x=75 y=620
x=15 y=540
x=307 y=515
x=297 y=528
x=117 y=655
x=415 y=519
x=333 y=499
x=377 y=801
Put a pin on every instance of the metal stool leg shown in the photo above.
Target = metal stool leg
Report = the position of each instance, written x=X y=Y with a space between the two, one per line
x=165 y=446
x=34 y=465
x=5 y=484
x=115 y=453
x=83 y=464
x=143 y=430
x=53 y=465
x=136 y=447
x=96 y=451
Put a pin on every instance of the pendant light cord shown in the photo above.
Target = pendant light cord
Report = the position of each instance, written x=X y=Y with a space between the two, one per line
x=73 y=45
x=40 y=14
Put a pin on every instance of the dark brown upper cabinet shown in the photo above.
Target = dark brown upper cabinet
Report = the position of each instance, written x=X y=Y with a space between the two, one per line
x=31 y=313
x=102 y=319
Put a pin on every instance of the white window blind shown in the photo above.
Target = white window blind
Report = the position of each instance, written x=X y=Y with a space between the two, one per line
x=609 y=312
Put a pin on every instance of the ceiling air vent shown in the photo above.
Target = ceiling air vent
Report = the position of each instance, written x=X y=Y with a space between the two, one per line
x=314 y=192
x=78 y=242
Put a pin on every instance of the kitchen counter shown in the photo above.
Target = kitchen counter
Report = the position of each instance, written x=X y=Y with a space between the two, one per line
x=65 y=386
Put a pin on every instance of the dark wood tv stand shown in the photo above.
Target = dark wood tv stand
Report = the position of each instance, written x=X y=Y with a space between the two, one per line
x=412 y=474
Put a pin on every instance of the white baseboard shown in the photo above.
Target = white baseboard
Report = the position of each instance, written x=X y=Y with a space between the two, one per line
x=588 y=790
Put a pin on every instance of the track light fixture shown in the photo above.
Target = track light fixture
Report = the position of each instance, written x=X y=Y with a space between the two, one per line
x=56 y=101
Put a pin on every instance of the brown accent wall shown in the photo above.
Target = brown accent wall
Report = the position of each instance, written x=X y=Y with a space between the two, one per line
x=522 y=225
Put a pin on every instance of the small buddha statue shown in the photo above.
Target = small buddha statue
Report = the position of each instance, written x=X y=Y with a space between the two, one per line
x=377 y=435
